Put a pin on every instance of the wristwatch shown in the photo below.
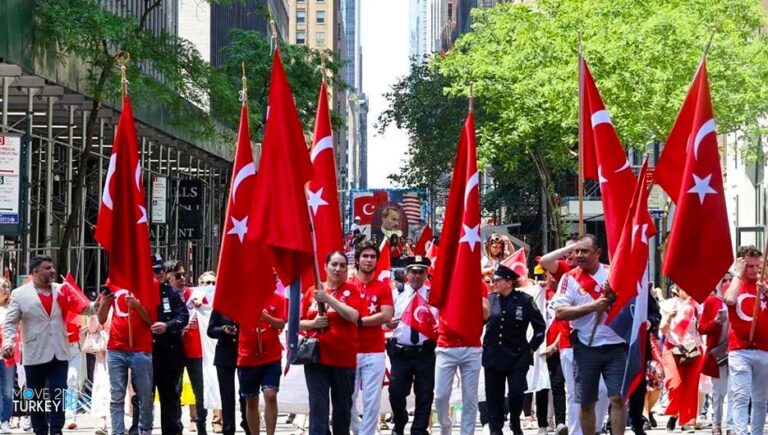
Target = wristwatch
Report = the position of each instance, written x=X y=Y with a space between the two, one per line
x=360 y=322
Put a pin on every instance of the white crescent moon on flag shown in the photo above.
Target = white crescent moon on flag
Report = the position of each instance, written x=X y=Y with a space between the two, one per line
x=707 y=128
x=322 y=145
x=384 y=275
x=244 y=172
x=418 y=311
x=626 y=166
x=368 y=211
x=601 y=117
x=521 y=265
x=739 y=312
x=118 y=294
x=473 y=181
x=106 y=197
x=137 y=176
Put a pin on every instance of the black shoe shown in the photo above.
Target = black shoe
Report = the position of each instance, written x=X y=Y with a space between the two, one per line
x=652 y=420
x=671 y=423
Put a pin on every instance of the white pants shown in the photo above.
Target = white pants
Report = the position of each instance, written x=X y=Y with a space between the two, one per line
x=369 y=377
x=573 y=409
x=73 y=386
x=720 y=392
x=469 y=361
x=748 y=378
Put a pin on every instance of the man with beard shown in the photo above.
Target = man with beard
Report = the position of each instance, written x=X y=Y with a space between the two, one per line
x=581 y=299
x=371 y=358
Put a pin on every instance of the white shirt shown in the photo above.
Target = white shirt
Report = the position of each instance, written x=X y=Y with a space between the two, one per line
x=402 y=332
x=570 y=293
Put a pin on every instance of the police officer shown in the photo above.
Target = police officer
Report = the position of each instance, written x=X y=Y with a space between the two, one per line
x=412 y=349
x=507 y=353
x=167 y=349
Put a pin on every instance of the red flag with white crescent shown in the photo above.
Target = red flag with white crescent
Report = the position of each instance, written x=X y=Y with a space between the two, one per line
x=240 y=256
x=517 y=262
x=604 y=159
x=122 y=227
x=322 y=191
x=457 y=291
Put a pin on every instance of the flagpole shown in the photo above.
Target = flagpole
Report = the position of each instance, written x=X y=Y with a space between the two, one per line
x=312 y=233
x=581 y=138
x=122 y=58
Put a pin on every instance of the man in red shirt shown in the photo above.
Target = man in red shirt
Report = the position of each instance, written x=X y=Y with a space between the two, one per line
x=258 y=364
x=377 y=311
x=748 y=358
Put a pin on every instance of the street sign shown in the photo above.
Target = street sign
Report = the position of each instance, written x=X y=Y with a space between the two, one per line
x=10 y=183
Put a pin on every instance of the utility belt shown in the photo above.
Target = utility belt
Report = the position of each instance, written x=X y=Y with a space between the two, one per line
x=395 y=349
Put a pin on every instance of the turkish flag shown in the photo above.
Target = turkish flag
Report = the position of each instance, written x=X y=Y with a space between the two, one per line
x=418 y=316
x=322 y=191
x=364 y=205
x=604 y=158
x=239 y=255
x=631 y=258
x=421 y=244
x=456 y=289
x=72 y=302
x=517 y=262
x=279 y=207
x=122 y=227
x=699 y=250
x=383 y=270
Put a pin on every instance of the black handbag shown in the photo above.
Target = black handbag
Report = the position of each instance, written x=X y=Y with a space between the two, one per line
x=719 y=352
x=308 y=351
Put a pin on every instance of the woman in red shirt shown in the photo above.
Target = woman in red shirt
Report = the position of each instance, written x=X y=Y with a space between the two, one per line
x=336 y=331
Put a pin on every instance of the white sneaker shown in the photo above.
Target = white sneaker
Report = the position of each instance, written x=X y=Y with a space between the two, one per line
x=101 y=428
x=26 y=424
x=5 y=427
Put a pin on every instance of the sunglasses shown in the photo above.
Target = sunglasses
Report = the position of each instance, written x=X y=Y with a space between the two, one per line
x=178 y=275
x=209 y=282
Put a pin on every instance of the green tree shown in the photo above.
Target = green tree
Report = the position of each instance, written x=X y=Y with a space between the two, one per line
x=523 y=63
x=302 y=66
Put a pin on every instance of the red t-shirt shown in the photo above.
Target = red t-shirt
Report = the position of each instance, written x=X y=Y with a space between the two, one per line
x=47 y=301
x=191 y=337
x=740 y=318
x=563 y=326
x=375 y=294
x=338 y=342
x=248 y=354
x=448 y=339
x=118 y=332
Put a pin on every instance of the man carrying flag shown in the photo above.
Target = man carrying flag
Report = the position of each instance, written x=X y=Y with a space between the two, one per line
x=581 y=299
x=459 y=293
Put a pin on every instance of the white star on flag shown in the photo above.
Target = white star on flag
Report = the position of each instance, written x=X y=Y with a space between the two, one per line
x=316 y=200
x=239 y=227
x=471 y=236
x=702 y=187
x=371 y=308
x=643 y=233
x=143 y=218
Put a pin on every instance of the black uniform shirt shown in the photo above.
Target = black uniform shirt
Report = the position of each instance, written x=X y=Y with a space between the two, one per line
x=505 y=346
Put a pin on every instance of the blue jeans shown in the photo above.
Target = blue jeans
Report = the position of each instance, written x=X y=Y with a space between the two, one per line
x=140 y=363
x=6 y=391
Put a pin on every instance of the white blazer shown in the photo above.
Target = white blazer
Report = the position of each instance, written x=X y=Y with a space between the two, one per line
x=43 y=336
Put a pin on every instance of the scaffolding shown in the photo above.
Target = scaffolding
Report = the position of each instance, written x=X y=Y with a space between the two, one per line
x=52 y=119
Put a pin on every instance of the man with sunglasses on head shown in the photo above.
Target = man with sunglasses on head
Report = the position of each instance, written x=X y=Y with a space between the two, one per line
x=412 y=349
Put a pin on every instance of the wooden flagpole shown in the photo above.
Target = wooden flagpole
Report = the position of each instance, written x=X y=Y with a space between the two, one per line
x=581 y=138
x=122 y=58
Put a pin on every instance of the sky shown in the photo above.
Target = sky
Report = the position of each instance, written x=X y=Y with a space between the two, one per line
x=384 y=41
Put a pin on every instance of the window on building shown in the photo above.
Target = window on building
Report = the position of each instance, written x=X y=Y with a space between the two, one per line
x=301 y=16
x=320 y=17
x=301 y=37
x=320 y=38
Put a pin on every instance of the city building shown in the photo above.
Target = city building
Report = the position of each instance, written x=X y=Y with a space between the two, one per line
x=44 y=111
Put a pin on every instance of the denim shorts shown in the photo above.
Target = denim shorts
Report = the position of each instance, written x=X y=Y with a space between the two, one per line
x=590 y=363
x=254 y=380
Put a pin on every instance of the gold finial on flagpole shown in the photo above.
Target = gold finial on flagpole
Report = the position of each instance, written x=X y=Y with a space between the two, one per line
x=471 y=96
x=122 y=58
x=244 y=91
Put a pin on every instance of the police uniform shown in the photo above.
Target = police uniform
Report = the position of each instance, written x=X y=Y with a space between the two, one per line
x=412 y=359
x=507 y=353
x=168 y=358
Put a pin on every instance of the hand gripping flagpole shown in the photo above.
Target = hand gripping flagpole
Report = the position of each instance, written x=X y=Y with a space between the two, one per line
x=123 y=58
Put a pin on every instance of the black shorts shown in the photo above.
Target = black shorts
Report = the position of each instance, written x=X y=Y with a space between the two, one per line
x=590 y=363
x=254 y=380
